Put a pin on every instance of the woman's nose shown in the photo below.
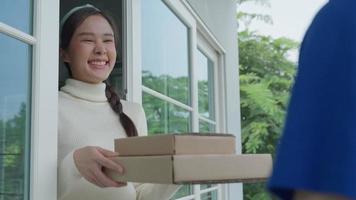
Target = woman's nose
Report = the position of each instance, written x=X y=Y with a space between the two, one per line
x=99 y=48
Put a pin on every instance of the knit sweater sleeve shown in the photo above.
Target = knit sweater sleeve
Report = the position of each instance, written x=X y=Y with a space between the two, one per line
x=68 y=175
x=148 y=191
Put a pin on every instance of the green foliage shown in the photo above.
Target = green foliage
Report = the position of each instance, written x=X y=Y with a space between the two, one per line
x=255 y=192
x=246 y=17
x=266 y=76
x=12 y=149
x=162 y=116
x=175 y=87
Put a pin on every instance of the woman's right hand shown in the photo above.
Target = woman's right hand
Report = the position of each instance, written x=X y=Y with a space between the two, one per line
x=90 y=161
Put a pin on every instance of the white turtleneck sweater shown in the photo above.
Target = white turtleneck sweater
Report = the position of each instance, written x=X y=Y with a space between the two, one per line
x=86 y=119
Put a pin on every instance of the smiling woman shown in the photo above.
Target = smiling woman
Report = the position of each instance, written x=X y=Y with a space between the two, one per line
x=91 y=53
x=116 y=10
x=91 y=114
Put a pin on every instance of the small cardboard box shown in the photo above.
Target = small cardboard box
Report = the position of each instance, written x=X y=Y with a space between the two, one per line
x=182 y=144
x=181 y=169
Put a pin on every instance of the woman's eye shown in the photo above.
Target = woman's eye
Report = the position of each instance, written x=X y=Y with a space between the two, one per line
x=108 y=41
x=87 y=40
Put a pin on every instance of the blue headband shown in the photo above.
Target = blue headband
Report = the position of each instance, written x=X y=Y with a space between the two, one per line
x=73 y=10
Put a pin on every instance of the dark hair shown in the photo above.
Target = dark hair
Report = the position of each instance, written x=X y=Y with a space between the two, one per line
x=67 y=31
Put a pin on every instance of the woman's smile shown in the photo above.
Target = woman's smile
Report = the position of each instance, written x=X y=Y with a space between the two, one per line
x=98 y=64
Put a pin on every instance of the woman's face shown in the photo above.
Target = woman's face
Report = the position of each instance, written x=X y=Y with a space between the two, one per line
x=91 y=53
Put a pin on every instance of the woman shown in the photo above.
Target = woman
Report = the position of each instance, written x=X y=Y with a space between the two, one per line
x=91 y=115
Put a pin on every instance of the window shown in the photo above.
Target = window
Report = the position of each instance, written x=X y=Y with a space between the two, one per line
x=205 y=75
x=206 y=70
x=15 y=105
x=179 y=80
x=165 y=73
x=165 y=69
x=22 y=20
x=15 y=101
x=28 y=99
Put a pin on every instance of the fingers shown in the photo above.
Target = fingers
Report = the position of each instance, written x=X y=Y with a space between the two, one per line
x=105 y=162
x=91 y=160
x=98 y=178
x=110 y=164
x=107 y=153
x=104 y=180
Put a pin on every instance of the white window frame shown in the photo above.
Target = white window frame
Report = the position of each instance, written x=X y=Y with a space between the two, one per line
x=43 y=156
x=208 y=51
x=204 y=46
x=200 y=37
x=43 y=144
x=44 y=101
x=132 y=46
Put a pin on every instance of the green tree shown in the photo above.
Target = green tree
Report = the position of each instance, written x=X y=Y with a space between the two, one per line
x=246 y=18
x=266 y=76
x=162 y=116
x=12 y=151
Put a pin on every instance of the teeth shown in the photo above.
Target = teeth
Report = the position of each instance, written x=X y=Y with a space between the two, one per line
x=98 y=62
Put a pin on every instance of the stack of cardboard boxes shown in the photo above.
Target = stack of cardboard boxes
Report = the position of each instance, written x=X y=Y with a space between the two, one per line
x=187 y=158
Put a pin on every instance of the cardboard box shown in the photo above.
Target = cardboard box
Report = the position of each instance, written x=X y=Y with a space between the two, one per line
x=182 y=144
x=181 y=169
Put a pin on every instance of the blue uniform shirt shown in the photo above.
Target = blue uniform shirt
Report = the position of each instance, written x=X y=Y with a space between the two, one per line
x=317 y=151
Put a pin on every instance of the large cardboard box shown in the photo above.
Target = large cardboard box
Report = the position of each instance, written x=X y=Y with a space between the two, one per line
x=182 y=144
x=181 y=169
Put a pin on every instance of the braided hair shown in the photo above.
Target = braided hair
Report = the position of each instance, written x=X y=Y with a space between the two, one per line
x=68 y=27
x=114 y=101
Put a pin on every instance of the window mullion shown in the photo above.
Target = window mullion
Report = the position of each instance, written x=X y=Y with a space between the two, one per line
x=196 y=192
x=194 y=81
x=17 y=34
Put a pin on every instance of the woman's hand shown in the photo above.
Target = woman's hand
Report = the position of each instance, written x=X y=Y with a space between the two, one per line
x=90 y=161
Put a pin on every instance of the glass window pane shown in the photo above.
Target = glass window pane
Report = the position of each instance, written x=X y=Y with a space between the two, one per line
x=164 y=117
x=165 y=65
x=15 y=104
x=205 y=76
x=185 y=190
x=206 y=186
x=17 y=13
x=205 y=127
x=213 y=195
